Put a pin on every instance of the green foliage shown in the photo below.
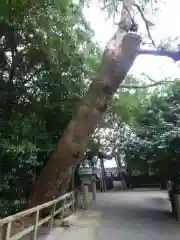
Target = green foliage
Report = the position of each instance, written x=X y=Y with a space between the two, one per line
x=142 y=129
x=46 y=58
x=155 y=145
x=91 y=156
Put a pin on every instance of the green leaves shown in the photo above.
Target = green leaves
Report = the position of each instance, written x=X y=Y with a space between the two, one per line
x=158 y=136
x=48 y=64
x=148 y=137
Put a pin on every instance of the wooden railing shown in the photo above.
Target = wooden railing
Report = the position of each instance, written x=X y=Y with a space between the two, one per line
x=64 y=202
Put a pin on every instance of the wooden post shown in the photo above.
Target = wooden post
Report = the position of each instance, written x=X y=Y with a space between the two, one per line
x=6 y=231
x=63 y=208
x=103 y=182
x=85 y=196
x=94 y=190
x=52 y=217
x=77 y=199
x=73 y=199
x=177 y=202
x=34 y=233
x=172 y=200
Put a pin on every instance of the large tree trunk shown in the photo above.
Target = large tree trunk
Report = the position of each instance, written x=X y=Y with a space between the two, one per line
x=118 y=57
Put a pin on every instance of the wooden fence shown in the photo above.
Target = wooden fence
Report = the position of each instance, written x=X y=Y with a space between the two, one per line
x=58 y=206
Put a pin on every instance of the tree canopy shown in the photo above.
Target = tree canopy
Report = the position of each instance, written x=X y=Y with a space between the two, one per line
x=155 y=146
x=46 y=58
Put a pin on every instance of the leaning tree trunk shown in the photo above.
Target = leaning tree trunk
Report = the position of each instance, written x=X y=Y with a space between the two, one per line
x=118 y=57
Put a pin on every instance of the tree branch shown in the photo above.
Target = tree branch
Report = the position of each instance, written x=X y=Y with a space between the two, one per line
x=163 y=53
x=145 y=86
x=124 y=5
x=146 y=23
x=152 y=80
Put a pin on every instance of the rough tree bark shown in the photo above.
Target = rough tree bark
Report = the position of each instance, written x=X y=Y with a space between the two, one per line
x=118 y=57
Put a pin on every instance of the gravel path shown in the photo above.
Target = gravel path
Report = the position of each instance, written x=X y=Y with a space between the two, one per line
x=132 y=215
x=135 y=215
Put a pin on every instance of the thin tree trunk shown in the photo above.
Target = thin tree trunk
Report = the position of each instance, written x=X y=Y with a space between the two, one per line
x=103 y=175
x=117 y=59
x=118 y=161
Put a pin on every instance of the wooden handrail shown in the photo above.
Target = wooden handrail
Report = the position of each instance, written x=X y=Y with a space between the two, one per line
x=34 y=209
x=7 y=222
